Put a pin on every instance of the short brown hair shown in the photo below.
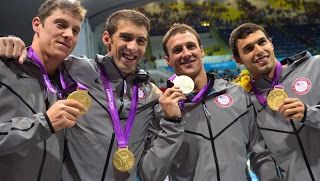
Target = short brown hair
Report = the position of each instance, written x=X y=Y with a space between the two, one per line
x=242 y=32
x=133 y=16
x=175 y=29
x=73 y=6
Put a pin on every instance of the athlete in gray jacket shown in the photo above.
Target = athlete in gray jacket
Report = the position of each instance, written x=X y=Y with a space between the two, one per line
x=220 y=129
x=291 y=132
x=93 y=142
x=32 y=121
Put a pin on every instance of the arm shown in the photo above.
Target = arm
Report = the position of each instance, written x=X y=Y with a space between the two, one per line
x=20 y=124
x=165 y=136
x=19 y=133
x=261 y=161
x=312 y=116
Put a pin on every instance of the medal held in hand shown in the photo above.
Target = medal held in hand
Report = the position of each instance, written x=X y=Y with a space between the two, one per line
x=275 y=97
x=123 y=159
x=81 y=96
x=185 y=83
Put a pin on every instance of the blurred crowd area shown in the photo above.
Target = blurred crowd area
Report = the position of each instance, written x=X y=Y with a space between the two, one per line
x=230 y=13
x=294 y=26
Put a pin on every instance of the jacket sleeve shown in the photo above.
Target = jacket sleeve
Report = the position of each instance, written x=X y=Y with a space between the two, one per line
x=261 y=161
x=163 y=142
x=312 y=116
x=17 y=134
x=312 y=104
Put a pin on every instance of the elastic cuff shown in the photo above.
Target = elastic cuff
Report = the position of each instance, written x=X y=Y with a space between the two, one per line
x=173 y=119
x=305 y=113
x=49 y=123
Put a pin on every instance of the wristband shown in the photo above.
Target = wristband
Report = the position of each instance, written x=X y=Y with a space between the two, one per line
x=173 y=119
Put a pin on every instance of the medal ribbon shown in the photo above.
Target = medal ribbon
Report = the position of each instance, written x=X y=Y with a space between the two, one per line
x=35 y=58
x=198 y=97
x=262 y=99
x=202 y=92
x=122 y=135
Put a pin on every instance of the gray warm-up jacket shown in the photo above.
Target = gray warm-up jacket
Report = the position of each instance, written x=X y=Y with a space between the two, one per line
x=295 y=145
x=92 y=143
x=29 y=148
x=220 y=135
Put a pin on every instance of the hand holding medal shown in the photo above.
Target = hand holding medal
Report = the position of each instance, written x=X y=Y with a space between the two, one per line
x=275 y=98
x=81 y=96
x=185 y=83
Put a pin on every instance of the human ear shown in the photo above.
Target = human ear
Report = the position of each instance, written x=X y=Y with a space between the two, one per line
x=106 y=40
x=36 y=22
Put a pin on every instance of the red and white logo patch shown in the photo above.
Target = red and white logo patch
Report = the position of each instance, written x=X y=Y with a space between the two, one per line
x=141 y=94
x=224 y=100
x=301 y=86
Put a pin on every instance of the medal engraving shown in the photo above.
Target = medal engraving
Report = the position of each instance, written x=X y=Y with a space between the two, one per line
x=275 y=98
x=185 y=83
x=123 y=160
x=81 y=96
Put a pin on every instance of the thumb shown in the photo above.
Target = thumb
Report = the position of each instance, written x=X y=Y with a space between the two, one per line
x=23 y=56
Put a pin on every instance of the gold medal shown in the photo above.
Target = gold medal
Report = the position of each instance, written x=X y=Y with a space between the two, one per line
x=275 y=98
x=123 y=159
x=185 y=83
x=82 y=96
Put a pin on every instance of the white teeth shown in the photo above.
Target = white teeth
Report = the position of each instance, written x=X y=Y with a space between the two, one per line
x=128 y=57
x=261 y=60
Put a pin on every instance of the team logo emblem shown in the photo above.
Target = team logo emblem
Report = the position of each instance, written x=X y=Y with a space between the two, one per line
x=301 y=86
x=141 y=94
x=224 y=100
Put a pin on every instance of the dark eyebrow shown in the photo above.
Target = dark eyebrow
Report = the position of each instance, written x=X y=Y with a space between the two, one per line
x=129 y=34
x=251 y=44
x=125 y=34
x=191 y=43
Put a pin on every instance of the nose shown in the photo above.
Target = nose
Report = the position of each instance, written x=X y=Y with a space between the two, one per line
x=186 y=53
x=68 y=33
x=258 y=49
x=132 y=46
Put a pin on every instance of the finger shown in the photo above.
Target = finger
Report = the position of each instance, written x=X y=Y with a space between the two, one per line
x=290 y=100
x=176 y=95
x=2 y=47
x=294 y=111
x=75 y=112
x=291 y=105
x=17 y=47
x=75 y=104
x=70 y=117
x=23 y=56
x=297 y=117
x=9 y=48
x=179 y=98
x=171 y=90
x=69 y=122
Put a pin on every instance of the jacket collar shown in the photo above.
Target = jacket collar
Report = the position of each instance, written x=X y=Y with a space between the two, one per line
x=115 y=75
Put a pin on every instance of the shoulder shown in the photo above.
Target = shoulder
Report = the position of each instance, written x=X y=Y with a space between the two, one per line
x=81 y=63
x=150 y=91
x=9 y=67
